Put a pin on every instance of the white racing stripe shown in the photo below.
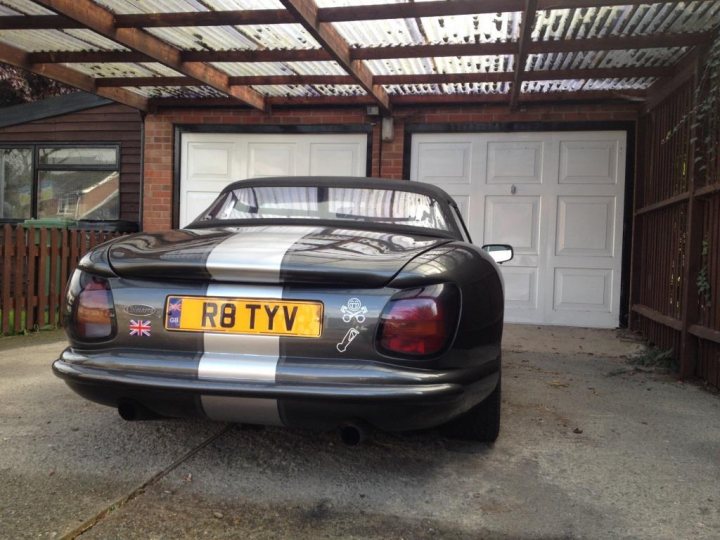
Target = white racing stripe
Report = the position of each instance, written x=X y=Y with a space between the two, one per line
x=246 y=358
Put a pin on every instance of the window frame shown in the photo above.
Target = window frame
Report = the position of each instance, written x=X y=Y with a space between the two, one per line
x=37 y=168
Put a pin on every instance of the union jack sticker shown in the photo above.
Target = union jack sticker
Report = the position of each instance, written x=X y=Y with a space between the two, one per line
x=140 y=328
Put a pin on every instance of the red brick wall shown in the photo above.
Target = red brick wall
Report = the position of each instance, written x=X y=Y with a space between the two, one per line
x=159 y=144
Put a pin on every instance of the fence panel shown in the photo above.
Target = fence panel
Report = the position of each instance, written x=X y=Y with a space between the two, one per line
x=36 y=265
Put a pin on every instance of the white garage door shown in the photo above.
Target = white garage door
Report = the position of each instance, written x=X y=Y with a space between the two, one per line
x=557 y=198
x=210 y=161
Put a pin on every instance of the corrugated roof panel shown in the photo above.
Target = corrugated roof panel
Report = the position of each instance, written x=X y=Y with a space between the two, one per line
x=482 y=28
x=446 y=64
x=149 y=69
x=158 y=6
x=239 y=69
x=218 y=38
x=299 y=90
x=605 y=59
x=177 y=91
x=449 y=89
x=57 y=40
x=27 y=7
x=551 y=86
x=606 y=21
x=340 y=89
x=638 y=83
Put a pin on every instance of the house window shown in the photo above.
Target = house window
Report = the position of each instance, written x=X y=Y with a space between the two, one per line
x=16 y=183
x=60 y=181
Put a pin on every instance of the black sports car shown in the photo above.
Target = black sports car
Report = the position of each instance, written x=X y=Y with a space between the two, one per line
x=313 y=302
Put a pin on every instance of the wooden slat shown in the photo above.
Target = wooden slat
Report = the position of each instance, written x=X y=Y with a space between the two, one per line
x=306 y=12
x=705 y=333
x=526 y=27
x=676 y=199
x=19 y=58
x=31 y=280
x=55 y=266
x=66 y=239
x=102 y=21
x=43 y=276
x=7 y=266
x=19 y=269
x=670 y=322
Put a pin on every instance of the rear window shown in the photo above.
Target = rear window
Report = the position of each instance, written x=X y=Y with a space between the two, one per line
x=331 y=203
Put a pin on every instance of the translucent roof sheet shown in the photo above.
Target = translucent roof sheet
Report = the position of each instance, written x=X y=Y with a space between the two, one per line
x=622 y=21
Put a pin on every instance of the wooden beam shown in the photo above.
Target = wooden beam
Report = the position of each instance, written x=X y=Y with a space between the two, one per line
x=306 y=12
x=411 y=99
x=18 y=58
x=370 y=53
x=204 y=18
x=683 y=71
x=430 y=78
x=102 y=21
x=526 y=28
x=656 y=316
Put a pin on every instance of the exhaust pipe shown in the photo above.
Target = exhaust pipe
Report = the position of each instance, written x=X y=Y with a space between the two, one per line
x=131 y=411
x=352 y=434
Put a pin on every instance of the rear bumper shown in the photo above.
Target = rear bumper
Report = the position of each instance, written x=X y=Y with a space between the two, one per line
x=319 y=395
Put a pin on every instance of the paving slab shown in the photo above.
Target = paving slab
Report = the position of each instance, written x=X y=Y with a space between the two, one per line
x=63 y=459
x=590 y=448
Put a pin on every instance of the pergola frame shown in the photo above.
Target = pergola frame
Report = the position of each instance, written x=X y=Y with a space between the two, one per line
x=129 y=31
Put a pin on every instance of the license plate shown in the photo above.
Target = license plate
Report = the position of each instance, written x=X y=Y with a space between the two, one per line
x=244 y=316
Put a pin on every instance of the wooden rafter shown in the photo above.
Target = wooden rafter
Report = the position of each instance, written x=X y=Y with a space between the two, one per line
x=330 y=14
x=431 y=78
x=368 y=53
x=18 y=58
x=102 y=21
x=526 y=28
x=632 y=96
x=306 y=12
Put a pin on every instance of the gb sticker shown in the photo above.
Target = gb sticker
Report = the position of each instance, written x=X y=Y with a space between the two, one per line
x=353 y=310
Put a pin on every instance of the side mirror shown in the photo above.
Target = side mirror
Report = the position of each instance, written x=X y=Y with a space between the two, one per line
x=500 y=252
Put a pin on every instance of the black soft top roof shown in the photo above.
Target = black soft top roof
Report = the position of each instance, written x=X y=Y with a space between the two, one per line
x=345 y=181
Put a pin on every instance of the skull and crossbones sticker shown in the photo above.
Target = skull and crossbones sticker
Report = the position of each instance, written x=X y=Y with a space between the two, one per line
x=353 y=309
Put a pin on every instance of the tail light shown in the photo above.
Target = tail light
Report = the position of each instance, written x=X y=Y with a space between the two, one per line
x=93 y=309
x=419 y=322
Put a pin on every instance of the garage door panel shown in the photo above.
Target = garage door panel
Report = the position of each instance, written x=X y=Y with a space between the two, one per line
x=588 y=162
x=558 y=198
x=520 y=287
x=585 y=226
x=333 y=159
x=514 y=162
x=275 y=159
x=583 y=289
x=446 y=163
x=197 y=201
x=514 y=221
x=212 y=160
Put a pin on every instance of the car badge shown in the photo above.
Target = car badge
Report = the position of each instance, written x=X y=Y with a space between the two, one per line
x=140 y=310
x=350 y=336
x=353 y=309
x=140 y=328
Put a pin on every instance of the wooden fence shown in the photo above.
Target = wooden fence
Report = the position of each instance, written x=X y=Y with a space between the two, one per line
x=675 y=289
x=36 y=265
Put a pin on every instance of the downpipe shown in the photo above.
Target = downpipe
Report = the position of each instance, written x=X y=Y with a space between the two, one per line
x=352 y=433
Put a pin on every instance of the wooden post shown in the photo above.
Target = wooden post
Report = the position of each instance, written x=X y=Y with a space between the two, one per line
x=7 y=256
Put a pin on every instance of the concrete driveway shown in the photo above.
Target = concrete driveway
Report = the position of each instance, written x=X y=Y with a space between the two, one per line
x=589 y=448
